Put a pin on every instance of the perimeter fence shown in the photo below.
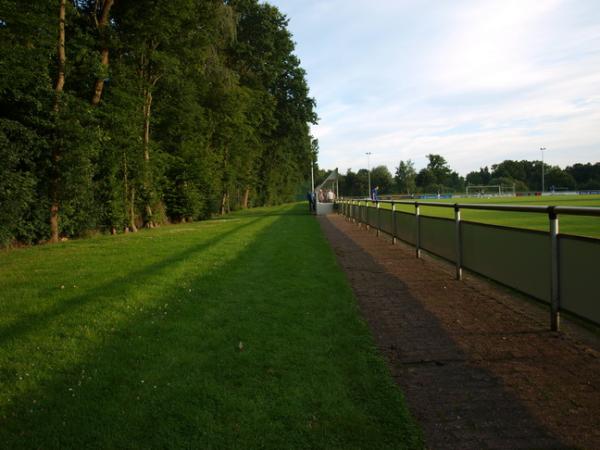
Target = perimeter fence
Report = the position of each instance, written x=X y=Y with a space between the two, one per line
x=559 y=269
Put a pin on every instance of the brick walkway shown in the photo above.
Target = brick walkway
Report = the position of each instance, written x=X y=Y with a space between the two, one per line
x=478 y=366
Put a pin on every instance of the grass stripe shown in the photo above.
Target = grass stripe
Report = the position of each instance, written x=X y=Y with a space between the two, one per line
x=145 y=351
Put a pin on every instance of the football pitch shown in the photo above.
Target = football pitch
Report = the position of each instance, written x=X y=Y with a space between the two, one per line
x=576 y=225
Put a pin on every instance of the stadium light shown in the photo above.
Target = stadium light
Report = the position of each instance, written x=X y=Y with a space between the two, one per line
x=369 y=172
x=542 y=150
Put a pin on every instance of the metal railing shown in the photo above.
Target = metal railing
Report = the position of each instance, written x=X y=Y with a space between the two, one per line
x=552 y=212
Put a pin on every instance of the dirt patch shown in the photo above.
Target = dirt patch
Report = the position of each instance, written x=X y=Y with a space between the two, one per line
x=478 y=366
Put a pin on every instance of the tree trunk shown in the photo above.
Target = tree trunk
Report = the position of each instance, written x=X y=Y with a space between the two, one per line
x=224 y=203
x=132 y=226
x=245 y=198
x=62 y=58
x=147 y=113
x=146 y=141
x=102 y=24
x=129 y=198
x=56 y=151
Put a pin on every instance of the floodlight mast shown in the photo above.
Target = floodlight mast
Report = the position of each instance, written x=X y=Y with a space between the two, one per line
x=542 y=149
x=369 y=172
x=312 y=174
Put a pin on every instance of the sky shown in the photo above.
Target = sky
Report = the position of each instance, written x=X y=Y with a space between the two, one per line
x=477 y=81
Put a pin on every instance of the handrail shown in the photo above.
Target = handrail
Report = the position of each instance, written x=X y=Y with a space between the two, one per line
x=552 y=212
x=543 y=209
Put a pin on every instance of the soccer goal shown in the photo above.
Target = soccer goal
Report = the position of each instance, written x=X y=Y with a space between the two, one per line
x=497 y=190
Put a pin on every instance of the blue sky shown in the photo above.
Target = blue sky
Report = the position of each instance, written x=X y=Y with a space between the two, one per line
x=476 y=81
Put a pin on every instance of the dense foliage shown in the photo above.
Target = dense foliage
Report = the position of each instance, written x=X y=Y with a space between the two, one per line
x=129 y=113
x=438 y=177
x=527 y=175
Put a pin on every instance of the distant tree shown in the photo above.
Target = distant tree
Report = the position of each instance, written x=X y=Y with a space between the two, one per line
x=381 y=176
x=520 y=186
x=480 y=178
x=556 y=178
x=438 y=166
x=515 y=170
x=425 y=179
x=362 y=185
x=405 y=177
x=438 y=176
x=586 y=176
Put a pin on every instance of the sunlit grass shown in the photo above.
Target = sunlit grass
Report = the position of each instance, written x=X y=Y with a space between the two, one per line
x=236 y=333
x=578 y=225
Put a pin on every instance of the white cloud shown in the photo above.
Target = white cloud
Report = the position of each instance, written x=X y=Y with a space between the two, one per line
x=476 y=81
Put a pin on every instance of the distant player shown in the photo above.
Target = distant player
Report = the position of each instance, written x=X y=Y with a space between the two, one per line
x=374 y=193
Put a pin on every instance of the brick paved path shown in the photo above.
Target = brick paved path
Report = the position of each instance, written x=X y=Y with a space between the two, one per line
x=478 y=367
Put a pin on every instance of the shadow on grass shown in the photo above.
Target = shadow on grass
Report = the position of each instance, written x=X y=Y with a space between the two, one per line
x=292 y=209
x=197 y=378
x=123 y=284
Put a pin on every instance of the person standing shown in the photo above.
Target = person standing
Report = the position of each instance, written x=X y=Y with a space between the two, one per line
x=374 y=193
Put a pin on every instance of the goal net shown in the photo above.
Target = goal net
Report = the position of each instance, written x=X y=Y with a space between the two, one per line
x=490 y=191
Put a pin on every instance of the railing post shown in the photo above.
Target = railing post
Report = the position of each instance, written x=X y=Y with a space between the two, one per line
x=458 y=254
x=555 y=274
x=393 y=223
x=362 y=218
x=418 y=227
x=367 y=214
x=378 y=218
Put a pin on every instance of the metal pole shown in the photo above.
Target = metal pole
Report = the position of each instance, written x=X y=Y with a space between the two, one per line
x=458 y=243
x=378 y=218
x=312 y=175
x=369 y=172
x=542 y=149
x=555 y=274
x=418 y=225
x=393 y=223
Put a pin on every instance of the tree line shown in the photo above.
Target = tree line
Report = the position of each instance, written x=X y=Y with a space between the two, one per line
x=438 y=177
x=119 y=114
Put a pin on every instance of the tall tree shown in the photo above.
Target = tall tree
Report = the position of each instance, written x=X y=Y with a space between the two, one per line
x=405 y=177
x=101 y=16
x=56 y=150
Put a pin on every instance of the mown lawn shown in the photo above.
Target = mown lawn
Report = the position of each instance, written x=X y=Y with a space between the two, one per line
x=577 y=225
x=233 y=333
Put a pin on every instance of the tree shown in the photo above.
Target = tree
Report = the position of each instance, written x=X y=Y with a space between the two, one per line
x=405 y=177
x=186 y=120
x=586 y=176
x=479 y=178
x=56 y=150
x=381 y=176
x=439 y=169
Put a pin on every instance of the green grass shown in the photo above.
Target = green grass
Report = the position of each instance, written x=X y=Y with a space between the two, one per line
x=577 y=225
x=133 y=341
